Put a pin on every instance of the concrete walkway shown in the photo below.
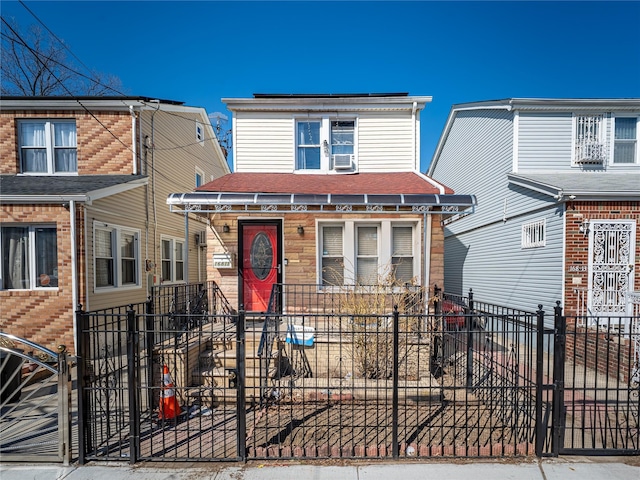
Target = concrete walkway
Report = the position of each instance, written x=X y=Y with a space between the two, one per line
x=571 y=468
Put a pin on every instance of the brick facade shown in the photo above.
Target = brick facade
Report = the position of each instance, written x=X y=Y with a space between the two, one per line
x=577 y=243
x=98 y=153
x=300 y=250
x=42 y=316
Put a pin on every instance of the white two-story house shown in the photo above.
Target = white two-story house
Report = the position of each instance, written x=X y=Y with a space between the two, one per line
x=326 y=191
x=558 y=188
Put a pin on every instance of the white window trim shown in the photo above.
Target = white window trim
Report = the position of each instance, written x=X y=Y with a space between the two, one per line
x=325 y=136
x=528 y=230
x=612 y=143
x=199 y=136
x=32 y=253
x=385 y=246
x=49 y=145
x=116 y=231
x=200 y=172
x=602 y=137
x=185 y=268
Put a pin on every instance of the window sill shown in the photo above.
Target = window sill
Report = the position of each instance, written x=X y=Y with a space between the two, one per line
x=116 y=289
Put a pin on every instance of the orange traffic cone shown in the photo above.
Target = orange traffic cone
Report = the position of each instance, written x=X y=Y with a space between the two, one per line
x=169 y=406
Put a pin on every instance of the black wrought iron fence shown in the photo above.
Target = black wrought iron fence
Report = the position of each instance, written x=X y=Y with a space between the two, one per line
x=342 y=380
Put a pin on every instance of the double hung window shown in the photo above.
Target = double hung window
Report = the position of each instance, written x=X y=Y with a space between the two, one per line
x=365 y=253
x=48 y=147
x=116 y=256
x=172 y=260
x=325 y=144
x=625 y=146
x=29 y=257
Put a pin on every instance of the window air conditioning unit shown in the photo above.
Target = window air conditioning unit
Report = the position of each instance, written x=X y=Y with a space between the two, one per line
x=201 y=238
x=343 y=162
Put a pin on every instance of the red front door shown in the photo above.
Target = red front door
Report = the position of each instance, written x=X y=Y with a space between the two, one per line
x=260 y=264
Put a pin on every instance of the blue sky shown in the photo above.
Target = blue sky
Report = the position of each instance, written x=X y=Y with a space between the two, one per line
x=201 y=51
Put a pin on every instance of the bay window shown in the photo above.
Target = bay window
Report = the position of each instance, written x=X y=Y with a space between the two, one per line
x=29 y=257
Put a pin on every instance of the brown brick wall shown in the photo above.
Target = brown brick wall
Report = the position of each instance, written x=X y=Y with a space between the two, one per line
x=41 y=316
x=300 y=250
x=577 y=244
x=98 y=151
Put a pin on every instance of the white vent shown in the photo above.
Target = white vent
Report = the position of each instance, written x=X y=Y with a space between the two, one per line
x=201 y=238
x=343 y=162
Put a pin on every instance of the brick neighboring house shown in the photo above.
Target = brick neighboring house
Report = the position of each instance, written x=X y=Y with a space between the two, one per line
x=558 y=215
x=326 y=191
x=83 y=183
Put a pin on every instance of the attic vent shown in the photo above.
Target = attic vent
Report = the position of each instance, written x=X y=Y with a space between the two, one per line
x=343 y=162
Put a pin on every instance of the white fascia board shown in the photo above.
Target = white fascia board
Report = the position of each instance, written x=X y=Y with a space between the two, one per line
x=109 y=191
x=430 y=180
x=539 y=187
x=326 y=103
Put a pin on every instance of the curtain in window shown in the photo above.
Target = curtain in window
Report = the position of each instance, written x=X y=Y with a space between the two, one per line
x=46 y=257
x=65 y=158
x=15 y=257
x=34 y=147
x=342 y=137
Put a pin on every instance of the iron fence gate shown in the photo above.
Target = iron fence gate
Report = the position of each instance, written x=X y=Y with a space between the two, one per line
x=321 y=379
x=35 y=400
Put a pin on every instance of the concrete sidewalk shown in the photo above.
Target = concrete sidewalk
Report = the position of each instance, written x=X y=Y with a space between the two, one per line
x=573 y=468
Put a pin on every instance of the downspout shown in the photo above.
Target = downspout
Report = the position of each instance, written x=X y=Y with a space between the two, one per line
x=74 y=274
x=134 y=140
x=427 y=257
x=186 y=245
x=86 y=256
x=414 y=108
x=153 y=190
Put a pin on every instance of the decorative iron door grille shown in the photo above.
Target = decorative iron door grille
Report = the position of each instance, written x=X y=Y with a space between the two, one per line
x=611 y=249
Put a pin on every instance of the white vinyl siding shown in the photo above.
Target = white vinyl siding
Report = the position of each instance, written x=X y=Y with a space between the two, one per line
x=484 y=140
x=545 y=142
x=386 y=142
x=490 y=260
x=264 y=142
x=383 y=141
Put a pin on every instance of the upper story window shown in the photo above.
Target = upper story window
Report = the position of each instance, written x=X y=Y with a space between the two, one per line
x=625 y=140
x=116 y=256
x=29 y=257
x=199 y=133
x=199 y=180
x=325 y=144
x=308 y=145
x=533 y=234
x=48 y=147
x=589 y=133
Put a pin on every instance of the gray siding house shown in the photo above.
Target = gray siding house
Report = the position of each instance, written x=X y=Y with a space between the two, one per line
x=557 y=183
